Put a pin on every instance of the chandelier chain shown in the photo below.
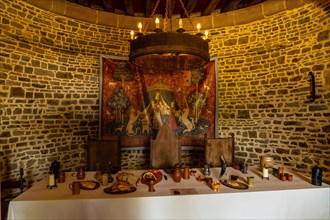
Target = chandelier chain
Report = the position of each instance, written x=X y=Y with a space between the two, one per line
x=151 y=16
x=167 y=7
x=186 y=13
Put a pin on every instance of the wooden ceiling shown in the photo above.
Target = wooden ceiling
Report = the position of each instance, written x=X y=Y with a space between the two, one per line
x=144 y=8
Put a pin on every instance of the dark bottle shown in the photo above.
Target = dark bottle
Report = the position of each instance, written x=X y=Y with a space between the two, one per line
x=109 y=171
x=55 y=168
x=317 y=176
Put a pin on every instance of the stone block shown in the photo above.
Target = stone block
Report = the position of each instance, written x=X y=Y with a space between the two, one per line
x=46 y=5
x=205 y=22
x=17 y=92
x=249 y=14
x=58 y=6
x=131 y=23
x=272 y=7
x=223 y=20
x=108 y=19
x=76 y=11
x=292 y=4
x=324 y=35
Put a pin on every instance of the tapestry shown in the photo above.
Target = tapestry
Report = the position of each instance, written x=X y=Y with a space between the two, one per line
x=136 y=102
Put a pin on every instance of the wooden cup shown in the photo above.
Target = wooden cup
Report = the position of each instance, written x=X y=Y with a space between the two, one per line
x=61 y=176
x=75 y=187
x=280 y=170
x=186 y=173
x=105 y=179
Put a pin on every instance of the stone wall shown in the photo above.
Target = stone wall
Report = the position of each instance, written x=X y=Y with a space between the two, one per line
x=264 y=87
x=49 y=84
x=49 y=91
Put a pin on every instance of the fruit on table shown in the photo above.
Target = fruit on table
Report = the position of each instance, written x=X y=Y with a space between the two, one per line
x=151 y=174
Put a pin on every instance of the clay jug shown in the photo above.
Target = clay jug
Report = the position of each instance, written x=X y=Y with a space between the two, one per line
x=177 y=173
x=81 y=173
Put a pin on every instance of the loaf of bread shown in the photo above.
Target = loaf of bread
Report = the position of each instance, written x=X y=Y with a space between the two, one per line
x=127 y=177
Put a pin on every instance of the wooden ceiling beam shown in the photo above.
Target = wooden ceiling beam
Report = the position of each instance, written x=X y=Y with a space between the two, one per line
x=210 y=7
x=129 y=7
x=252 y=2
x=108 y=5
x=86 y=3
x=190 y=6
x=231 y=5
x=149 y=8
x=222 y=4
x=171 y=9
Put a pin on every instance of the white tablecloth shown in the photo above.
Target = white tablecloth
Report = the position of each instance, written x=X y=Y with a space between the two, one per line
x=266 y=199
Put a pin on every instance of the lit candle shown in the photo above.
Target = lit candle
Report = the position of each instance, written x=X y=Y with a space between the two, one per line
x=206 y=34
x=157 y=23
x=132 y=35
x=51 y=180
x=140 y=27
x=198 y=27
x=265 y=172
x=180 y=23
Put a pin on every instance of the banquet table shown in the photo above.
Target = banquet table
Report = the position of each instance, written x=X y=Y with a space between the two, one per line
x=265 y=199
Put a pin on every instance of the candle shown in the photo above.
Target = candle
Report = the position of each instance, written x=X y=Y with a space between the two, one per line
x=140 y=27
x=157 y=23
x=51 y=180
x=265 y=172
x=198 y=27
x=132 y=35
x=180 y=23
x=206 y=34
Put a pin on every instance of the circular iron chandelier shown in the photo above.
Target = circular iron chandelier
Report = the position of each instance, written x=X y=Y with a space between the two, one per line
x=163 y=50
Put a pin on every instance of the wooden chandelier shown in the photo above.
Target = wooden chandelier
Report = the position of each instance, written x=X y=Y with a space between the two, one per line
x=169 y=50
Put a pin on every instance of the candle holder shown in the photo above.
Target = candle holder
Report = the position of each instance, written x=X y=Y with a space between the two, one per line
x=158 y=30
x=200 y=34
x=51 y=187
x=138 y=34
x=180 y=30
x=267 y=178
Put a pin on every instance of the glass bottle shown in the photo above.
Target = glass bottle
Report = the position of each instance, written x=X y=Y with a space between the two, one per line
x=109 y=171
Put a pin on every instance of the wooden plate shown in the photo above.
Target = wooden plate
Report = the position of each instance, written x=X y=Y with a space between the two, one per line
x=234 y=184
x=108 y=190
x=93 y=185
